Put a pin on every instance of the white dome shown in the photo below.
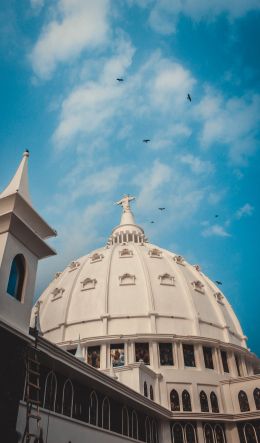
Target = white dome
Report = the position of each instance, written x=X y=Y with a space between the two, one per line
x=131 y=287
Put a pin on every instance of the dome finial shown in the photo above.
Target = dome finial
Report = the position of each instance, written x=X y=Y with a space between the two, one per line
x=124 y=202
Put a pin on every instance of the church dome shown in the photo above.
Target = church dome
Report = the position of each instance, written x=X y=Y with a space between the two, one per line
x=132 y=288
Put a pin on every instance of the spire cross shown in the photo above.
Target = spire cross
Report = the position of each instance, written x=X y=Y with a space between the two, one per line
x=124 y=202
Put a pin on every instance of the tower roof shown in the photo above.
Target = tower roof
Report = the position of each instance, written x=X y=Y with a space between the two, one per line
x=19 y=182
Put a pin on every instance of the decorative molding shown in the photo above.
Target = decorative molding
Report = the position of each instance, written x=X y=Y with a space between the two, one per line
x=167 y=279
x=125 y=253
x=179 y=260
x=74 y=265
x=127 y=279
x=155 y=253
x=198 y=286
x=57 y=293
x=57 y=275
x=197 y=267
x=88 y=283
x=96 y=257
x=219 y=297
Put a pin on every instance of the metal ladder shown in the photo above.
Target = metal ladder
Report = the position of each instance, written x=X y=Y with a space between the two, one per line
x=32 y=394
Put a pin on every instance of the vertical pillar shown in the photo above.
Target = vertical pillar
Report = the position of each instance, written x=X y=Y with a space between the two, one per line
x=165 y=432
x=103 y=356
x=231 y=432
x=200 y=433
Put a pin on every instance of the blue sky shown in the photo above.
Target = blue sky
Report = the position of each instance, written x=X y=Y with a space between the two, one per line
x=60 y=99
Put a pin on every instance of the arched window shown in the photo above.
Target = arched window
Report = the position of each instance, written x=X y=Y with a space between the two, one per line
x=190 y=433
x=16 y=277
x=257 y=398
x=106 y=413
x=208 y=434
x=145 y=389
x=154 y=432
x=147 y=430
x=135 y=432
x=67 y=398
x=174 y=399
x=204 y=406
x=186 y=403
x=250 y=433
x=214 y=402
x=50 y=391
x=125 y=421
x=219 y=434
x=93 y=409
x=177 y=433
x=151 y=393
x=243 y=401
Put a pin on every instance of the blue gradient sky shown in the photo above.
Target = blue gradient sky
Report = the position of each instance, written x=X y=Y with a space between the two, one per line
x=60 y=99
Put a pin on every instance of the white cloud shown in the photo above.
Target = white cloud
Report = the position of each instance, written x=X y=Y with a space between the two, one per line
x=91 y=105
x=78 y=24
x=37 y=4
x=232 y=122
x=165 y=13
x=215 y=230
x=197 y=165
x=246 y=210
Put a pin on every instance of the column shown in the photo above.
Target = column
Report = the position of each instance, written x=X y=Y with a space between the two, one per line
x=103 y=356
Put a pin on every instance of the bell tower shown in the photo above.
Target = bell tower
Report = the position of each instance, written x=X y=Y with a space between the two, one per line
x=22 y=245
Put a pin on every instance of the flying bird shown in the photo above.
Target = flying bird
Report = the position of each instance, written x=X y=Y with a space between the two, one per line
x=216 y=215
x=161 y=209
x=218 y=282
x=152 y=222
x=146 y=140
x=120 y=79
x=189 y=97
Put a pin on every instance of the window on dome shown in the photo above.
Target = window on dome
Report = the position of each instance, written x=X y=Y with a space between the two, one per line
x=188 y=355
x=257 y=398
x=204 y=406
x=50 y=391
x=93 y=409
x=106 y=413
x=237 y=365
x=125 y=421
x=16 y=277
x=208 y=360
x=250 y=433
x=175 y=401
x=135 y=425
x=190 y=433
x=117 y=354
x=94 y=356
x=243 y=401
x=166 y=354
x=142 y=353
x=186 y=402
x=214 y=402
x=145 y=389
x=151 y=393
x=224 y=361
x=219 y=433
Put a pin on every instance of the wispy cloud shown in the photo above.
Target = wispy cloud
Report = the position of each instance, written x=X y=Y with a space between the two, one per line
x=165 y=14
x=232 y=122
x=244 y=211
x=215 y=230
x=196 y=164
x=73 y=26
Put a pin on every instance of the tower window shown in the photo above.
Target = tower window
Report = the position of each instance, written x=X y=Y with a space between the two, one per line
x=207 y=352
x=16 y=277
x=166 y=357
x=188 y=355
x=237 y=365
x=142 y=353
x=94 y=356
x=224 y=361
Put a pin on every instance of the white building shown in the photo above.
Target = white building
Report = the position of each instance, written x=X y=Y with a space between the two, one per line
x=161 y=355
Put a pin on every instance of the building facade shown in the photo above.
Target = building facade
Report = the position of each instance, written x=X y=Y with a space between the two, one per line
x=136 y=343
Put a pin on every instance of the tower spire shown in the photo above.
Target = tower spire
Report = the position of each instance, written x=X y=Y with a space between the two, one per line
x=19 y=182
